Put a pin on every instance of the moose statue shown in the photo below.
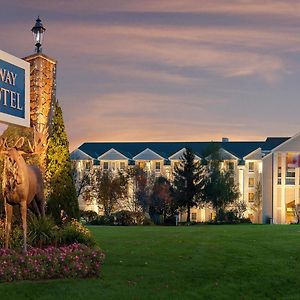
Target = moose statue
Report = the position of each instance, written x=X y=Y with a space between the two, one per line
x=22 y=183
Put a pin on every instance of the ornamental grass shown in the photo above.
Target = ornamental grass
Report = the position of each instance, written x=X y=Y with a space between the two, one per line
x=72 y=261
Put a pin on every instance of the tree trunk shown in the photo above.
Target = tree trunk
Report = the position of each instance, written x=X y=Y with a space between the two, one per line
x=188 y=218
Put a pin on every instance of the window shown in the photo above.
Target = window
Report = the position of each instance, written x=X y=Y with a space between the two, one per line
x=279 y=175
x=157 y=166
x=251 y=197
x=141 y=164
x=87 y=165
x=291 y=162
x=105 y=165
x=231 y=166
x=251 y=182
x=290 y=176
x=194 y=217
x=122 y=166
x=176 y=165
x=251 y=166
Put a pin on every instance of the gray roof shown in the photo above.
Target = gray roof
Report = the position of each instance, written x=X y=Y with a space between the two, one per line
x=166 y=149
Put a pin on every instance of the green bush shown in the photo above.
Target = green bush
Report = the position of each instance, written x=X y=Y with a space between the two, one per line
x=88 y=216
x=42 y=231
x=124 y=218
x=16 y=237
x=103 y=220
x=74 y=232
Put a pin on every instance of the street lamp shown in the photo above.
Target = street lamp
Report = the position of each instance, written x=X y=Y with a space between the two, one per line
x=38 y=33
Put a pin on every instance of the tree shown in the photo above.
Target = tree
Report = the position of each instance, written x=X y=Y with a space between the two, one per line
x=141 y=185
x=219 y=188
x=239 y=207
x=256 y=206
x=82 y=182
x=188 y=182
x=161 y=199
x=109 y=189
x=61 y=192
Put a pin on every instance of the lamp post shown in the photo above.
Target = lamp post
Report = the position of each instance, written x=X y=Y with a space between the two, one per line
x=38 y=34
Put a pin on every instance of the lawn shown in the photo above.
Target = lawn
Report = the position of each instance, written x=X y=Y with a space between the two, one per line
x=196 y=262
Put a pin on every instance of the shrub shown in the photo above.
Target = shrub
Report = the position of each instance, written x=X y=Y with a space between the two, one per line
x=124 y=217
x=75 y=232
x=147 y=221
x=88 y=216
x=104 y=220
x=42 y=231
x=16 y=237
x=73 y=261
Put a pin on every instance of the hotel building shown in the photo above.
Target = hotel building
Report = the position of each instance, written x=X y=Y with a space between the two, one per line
x=273 y=162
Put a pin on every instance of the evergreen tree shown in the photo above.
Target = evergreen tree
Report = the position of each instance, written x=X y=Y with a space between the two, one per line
x=219 y=188
x=188 y=182
x=60 y=185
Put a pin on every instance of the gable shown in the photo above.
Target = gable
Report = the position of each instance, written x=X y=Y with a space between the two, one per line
x=112 y=154
x=79 y=155
x=292 y=145
x=223 y=155
x=148 y=154
x=178 y=155
x=254 y=155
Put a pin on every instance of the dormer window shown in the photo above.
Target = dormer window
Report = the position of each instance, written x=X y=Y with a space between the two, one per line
x=251 y=166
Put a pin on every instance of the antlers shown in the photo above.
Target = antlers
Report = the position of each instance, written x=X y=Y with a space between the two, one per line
x=3 y=146
x=40 y=140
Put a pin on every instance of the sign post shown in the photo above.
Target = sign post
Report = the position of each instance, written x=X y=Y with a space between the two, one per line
x=14 y=90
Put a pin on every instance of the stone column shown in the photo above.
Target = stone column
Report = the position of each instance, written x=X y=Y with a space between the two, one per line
x=42 y=92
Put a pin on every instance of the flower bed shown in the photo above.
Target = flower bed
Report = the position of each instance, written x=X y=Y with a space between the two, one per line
x=72 y=261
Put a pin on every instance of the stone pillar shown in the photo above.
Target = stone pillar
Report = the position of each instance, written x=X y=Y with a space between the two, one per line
x=42 y=88
x=42 y=93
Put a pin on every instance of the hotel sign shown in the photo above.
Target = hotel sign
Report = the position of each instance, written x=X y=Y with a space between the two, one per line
x=14 y=90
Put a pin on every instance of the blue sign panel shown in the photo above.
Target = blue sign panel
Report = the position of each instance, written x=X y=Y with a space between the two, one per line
x=14 y=90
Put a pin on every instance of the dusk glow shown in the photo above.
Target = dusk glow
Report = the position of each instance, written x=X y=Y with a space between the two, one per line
x=167 y=70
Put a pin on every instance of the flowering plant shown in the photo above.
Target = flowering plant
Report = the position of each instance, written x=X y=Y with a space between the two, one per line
x=72 y=261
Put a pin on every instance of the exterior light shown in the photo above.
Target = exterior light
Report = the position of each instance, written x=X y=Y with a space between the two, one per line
x=38 y=33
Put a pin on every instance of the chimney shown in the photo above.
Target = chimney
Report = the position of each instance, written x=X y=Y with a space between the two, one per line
x=225 y=139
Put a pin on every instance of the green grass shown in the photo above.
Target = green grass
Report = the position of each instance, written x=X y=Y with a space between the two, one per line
x=196 y=262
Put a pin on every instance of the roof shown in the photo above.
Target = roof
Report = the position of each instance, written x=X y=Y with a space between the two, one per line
x=167 y=149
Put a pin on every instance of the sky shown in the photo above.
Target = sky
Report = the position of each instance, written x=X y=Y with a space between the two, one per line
x=167 y=70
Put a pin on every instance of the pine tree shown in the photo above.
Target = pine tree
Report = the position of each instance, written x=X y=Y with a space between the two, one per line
x=61 y=189
x=219 y=187
x=188 y=182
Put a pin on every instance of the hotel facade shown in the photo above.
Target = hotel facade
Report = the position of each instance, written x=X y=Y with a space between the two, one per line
x=273 y=163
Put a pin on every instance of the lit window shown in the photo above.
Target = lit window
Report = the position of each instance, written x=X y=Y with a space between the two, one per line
x=251 y=166
x=251 y=182
x=291 y=163
x=194 y=217
x=231 y=166
x=122 y=166
x=87 y=165
x=251 y=197
x=279 y=175
x=105 y=165
x=157 y=166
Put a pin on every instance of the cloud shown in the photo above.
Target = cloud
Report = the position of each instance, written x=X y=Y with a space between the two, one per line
x=228 y=52
x=289 y=8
